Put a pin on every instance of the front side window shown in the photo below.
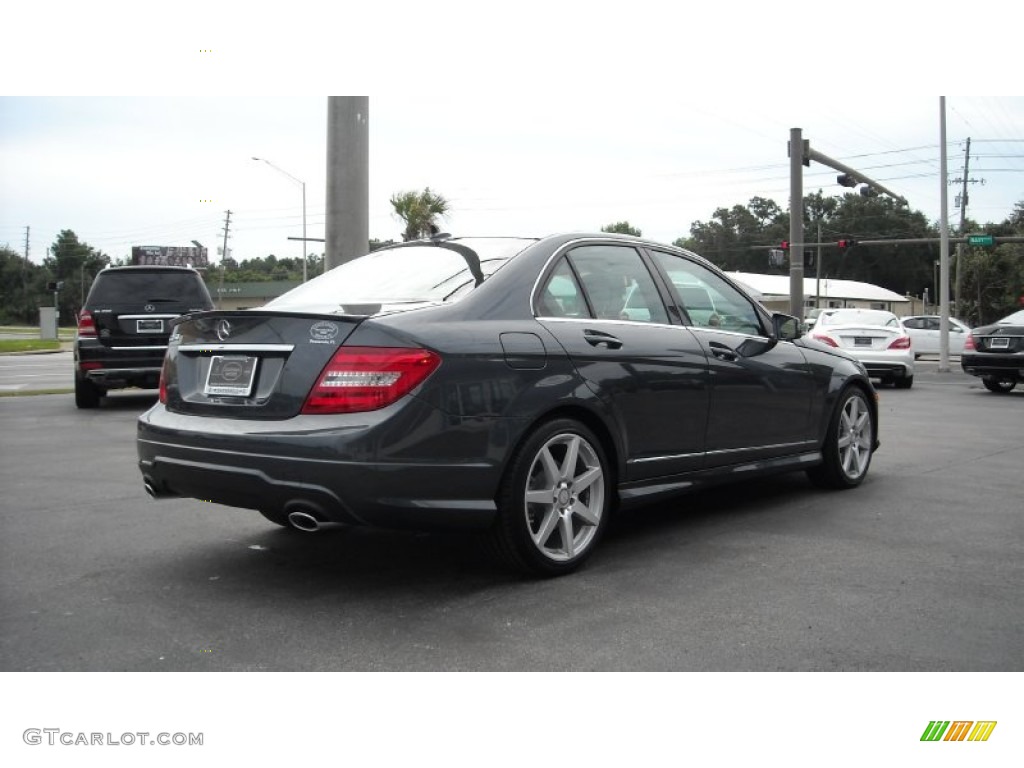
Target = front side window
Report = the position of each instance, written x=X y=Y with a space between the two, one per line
x=706 y=299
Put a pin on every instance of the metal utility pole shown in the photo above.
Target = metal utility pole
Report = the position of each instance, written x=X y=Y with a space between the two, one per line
x=223 y=255
x=348 y=179
x=963 y=217
x=796 y=223
x=943 y=246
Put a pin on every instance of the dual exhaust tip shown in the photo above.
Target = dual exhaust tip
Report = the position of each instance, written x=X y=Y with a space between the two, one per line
x=300 y=518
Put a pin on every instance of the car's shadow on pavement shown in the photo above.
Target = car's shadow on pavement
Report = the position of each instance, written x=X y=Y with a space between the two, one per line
x=343 y=560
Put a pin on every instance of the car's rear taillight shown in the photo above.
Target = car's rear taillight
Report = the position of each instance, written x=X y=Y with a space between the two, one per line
x=86 y=325
x=903 y=342
x=969 y=345
x=367 y=378
x=163 y=381
x=827 y=339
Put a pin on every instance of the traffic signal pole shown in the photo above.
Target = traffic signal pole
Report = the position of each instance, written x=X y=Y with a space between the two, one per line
x=796 y=223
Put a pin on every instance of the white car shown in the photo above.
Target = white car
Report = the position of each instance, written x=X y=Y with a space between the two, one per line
x=875 y=337
x=924 y=334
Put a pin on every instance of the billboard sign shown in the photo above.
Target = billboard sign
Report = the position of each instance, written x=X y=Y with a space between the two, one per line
x=170 y=255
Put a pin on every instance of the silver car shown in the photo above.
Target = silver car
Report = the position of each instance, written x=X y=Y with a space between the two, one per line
x=924 y=334
x=875 y=337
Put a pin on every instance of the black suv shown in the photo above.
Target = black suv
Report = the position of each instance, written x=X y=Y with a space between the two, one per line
x=125 y=324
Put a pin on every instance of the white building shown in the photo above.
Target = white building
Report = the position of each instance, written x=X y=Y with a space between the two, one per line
x=774 y=293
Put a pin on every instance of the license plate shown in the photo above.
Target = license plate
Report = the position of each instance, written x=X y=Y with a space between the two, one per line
x=230 y=375
x=149 y=326
x=862 y=341
x=1003 y=343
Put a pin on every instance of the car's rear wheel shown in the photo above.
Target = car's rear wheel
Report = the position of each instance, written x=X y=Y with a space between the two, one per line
x=554 y=502
x=905 y=383
x=1000 y=386
x=87 y=394
x=848 y=443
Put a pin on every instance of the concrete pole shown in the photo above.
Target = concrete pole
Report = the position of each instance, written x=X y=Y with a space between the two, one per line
x=348 y=179
x=943 y=246
x=796 y=223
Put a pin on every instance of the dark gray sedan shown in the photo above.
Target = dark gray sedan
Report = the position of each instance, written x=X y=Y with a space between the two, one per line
x=525 y=388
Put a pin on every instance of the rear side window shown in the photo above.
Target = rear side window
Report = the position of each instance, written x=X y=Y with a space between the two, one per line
x=618 y=284
x=148 y=286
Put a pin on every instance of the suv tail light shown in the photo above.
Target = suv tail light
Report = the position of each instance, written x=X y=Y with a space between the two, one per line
x=86 y=325
x=827 y=339
x=969 y=343
x=903 y=342
x=367 y=378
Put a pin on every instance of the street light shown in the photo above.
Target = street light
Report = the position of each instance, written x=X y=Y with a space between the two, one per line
x=303 y=184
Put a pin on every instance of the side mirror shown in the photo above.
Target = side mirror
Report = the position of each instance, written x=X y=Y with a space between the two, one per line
x=785 y=327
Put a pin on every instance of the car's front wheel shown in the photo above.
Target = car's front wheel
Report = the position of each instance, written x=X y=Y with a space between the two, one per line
x=848 y=443
x=554 y=502
x=1000 y=386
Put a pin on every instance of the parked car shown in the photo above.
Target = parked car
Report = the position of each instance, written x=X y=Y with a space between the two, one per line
x=493 y=384
x=124 y=326
x=875 y=337
x=925 y=336
x=996 y=353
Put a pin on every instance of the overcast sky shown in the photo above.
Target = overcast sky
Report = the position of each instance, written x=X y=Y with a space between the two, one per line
x=526 y=133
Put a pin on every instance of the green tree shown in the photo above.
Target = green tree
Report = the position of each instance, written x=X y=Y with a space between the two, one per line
x=419 y=211
x=622 y=228
x=75 y=264
x=22 y=288
x=993 y=279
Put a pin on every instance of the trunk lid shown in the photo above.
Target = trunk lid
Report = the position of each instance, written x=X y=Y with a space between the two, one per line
x=249 y=364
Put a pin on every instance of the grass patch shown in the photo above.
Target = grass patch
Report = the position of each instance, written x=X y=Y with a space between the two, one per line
x=28 y=345
x=27 y=393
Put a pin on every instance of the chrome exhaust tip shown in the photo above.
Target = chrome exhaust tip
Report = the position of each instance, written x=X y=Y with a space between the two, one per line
x=303 y=521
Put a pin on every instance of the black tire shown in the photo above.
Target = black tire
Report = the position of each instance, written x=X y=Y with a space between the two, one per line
x=276 y=516
x=556 y=531
x=905 y=383
x=87 y=394
x=849 y=443
x=999 y=386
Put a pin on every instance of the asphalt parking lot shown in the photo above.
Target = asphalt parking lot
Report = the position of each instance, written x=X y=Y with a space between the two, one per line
x=921 y=568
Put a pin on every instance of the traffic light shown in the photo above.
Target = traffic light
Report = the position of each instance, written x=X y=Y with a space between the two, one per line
x=784 y=245
x=868 y=191
x=846 y=243
x=846 y=180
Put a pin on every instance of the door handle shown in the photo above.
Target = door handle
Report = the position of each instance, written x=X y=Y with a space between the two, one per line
x=722 y=352
x=598 y=339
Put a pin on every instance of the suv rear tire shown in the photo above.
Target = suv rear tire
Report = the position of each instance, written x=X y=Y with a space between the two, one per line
x=87 y=394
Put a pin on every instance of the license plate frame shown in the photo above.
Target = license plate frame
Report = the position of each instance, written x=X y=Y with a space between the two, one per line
x=999 y=342
x=149 y=325
x=231 y=375
x=863 y=341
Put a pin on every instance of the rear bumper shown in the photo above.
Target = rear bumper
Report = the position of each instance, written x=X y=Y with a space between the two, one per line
x=1007 y=367
x=116 y=368
x=331 y=468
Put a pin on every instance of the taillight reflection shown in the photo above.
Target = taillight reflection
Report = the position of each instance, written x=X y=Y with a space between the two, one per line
x=367 y=378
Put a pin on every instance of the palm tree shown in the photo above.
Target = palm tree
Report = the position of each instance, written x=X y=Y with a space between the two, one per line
x=418 y=210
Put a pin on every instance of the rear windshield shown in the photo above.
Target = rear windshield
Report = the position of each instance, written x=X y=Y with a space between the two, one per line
x=858 y=316
x=410 y=274
x=149 y=286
